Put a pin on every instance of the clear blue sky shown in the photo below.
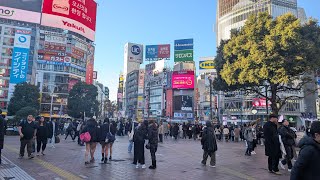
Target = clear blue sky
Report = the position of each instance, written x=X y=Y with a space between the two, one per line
x=156 y=22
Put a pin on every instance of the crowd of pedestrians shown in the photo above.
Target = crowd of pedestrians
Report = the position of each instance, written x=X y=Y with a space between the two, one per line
x=279 y=139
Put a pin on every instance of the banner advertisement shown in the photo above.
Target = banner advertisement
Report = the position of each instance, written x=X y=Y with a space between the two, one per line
x=183 y=80
x=20 y=56
x=21 y=10
x=55 y=39
x=90 y=62
x=140 y=102
x=183 y=103
x=183 y=50
x=157 y=52
x=75 y=15
x=141 y=81
x=260 y=102
x=134 y=52
x=169 y=105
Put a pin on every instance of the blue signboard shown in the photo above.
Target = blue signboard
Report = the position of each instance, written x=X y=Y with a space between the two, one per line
x=152 y=52
x=183 y=44
x=19 y=65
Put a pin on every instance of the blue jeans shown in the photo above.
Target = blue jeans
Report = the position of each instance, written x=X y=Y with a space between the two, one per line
x=130 y=146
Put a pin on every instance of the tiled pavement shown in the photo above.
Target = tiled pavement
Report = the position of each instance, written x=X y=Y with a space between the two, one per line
x=176 y=160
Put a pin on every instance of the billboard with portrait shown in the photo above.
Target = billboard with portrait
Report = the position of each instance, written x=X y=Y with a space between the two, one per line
x=183 y=80
x=21 y=10
x=75 y=15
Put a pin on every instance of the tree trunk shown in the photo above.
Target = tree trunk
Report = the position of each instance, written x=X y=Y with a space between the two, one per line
x=273 y=99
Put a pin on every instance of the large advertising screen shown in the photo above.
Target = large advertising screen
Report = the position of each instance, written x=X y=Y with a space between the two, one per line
x=183 y=80
x=21 y=10
x=183 y=50
x=183 y=103
x=75 y=15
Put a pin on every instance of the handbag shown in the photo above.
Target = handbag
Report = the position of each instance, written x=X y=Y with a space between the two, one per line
x=85 y=137
x=131 y=133
x=56 y=139
x=110 y=137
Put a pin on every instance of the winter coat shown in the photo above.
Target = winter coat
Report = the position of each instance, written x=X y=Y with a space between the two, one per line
x=272 y=144
x=208 y=140
x=2 y=131
x=308 y=162
x=165 y=128
x=236 y=132
x=287 y=136
x=140 y=134
x=248 y=135
x=175 y=130
x=226 y=131
x=104 y=130
x=153 y=135
x=161 y=129
x=92 y=128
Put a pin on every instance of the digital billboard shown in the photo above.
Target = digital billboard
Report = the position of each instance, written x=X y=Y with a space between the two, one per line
x=21 y=10
x=75 y=15
x=183 y=103
x=260 y=102
x=183 y=50
x=157 y=52
x=183 y=80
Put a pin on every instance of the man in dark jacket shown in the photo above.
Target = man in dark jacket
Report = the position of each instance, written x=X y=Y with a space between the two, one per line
x=140 y=134
x=153 y=143
x=209 y=145
x=308 y=162
x=272 y=144
x=175 y=131
x=2 y=132
x=287 y=137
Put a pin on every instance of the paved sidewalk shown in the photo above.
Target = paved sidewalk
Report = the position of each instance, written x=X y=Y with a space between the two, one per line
x=175 y=160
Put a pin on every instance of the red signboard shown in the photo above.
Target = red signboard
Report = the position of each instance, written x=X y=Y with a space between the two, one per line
x=90 y=61
x=164 y=51
x=75 y=15
x=183 y=80
x=54 y=47
x=259 y=102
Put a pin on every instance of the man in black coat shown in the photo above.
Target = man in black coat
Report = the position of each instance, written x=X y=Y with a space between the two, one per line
x=209 y=145
x=308 y=162
x=153 y=142
x=2 y=132
x=287 y=137
x=272 y=144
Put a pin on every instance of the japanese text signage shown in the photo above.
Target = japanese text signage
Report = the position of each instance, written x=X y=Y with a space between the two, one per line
x=75 y=15
x=157 y=52
x=183 y=80
x=20 y=56
x=183 y=50
x=90 y=63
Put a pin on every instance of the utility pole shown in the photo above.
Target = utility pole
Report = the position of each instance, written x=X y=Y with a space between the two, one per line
x=211 y=115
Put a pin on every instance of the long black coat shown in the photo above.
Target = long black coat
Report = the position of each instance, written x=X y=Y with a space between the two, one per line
x=92 y=128
x=308 y=162
x=139 y=137
x=2 y=131
x=208 y=140
x=153 y=136
x=272 y=144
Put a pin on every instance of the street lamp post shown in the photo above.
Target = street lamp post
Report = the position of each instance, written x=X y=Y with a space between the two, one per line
x=51 y=102
x=210 y=89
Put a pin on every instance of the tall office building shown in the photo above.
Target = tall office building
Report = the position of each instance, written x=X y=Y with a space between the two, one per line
x=232 y=14
x=48 y=46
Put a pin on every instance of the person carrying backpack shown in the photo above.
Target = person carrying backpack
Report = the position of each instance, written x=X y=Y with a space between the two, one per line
x=209 y=145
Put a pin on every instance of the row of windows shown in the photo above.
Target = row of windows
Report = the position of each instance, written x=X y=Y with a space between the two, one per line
x=61 y=68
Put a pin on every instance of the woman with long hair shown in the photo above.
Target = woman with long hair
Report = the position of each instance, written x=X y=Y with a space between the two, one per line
x=92 y=128
x=42 y=135
x=113 y=131
x=104 y=141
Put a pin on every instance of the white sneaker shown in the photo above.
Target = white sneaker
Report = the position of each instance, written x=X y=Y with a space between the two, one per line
x=137 y=166
x=282 y=166
x=253 y=152
x=143 y=166
x=289 y=170
x=212 y=166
